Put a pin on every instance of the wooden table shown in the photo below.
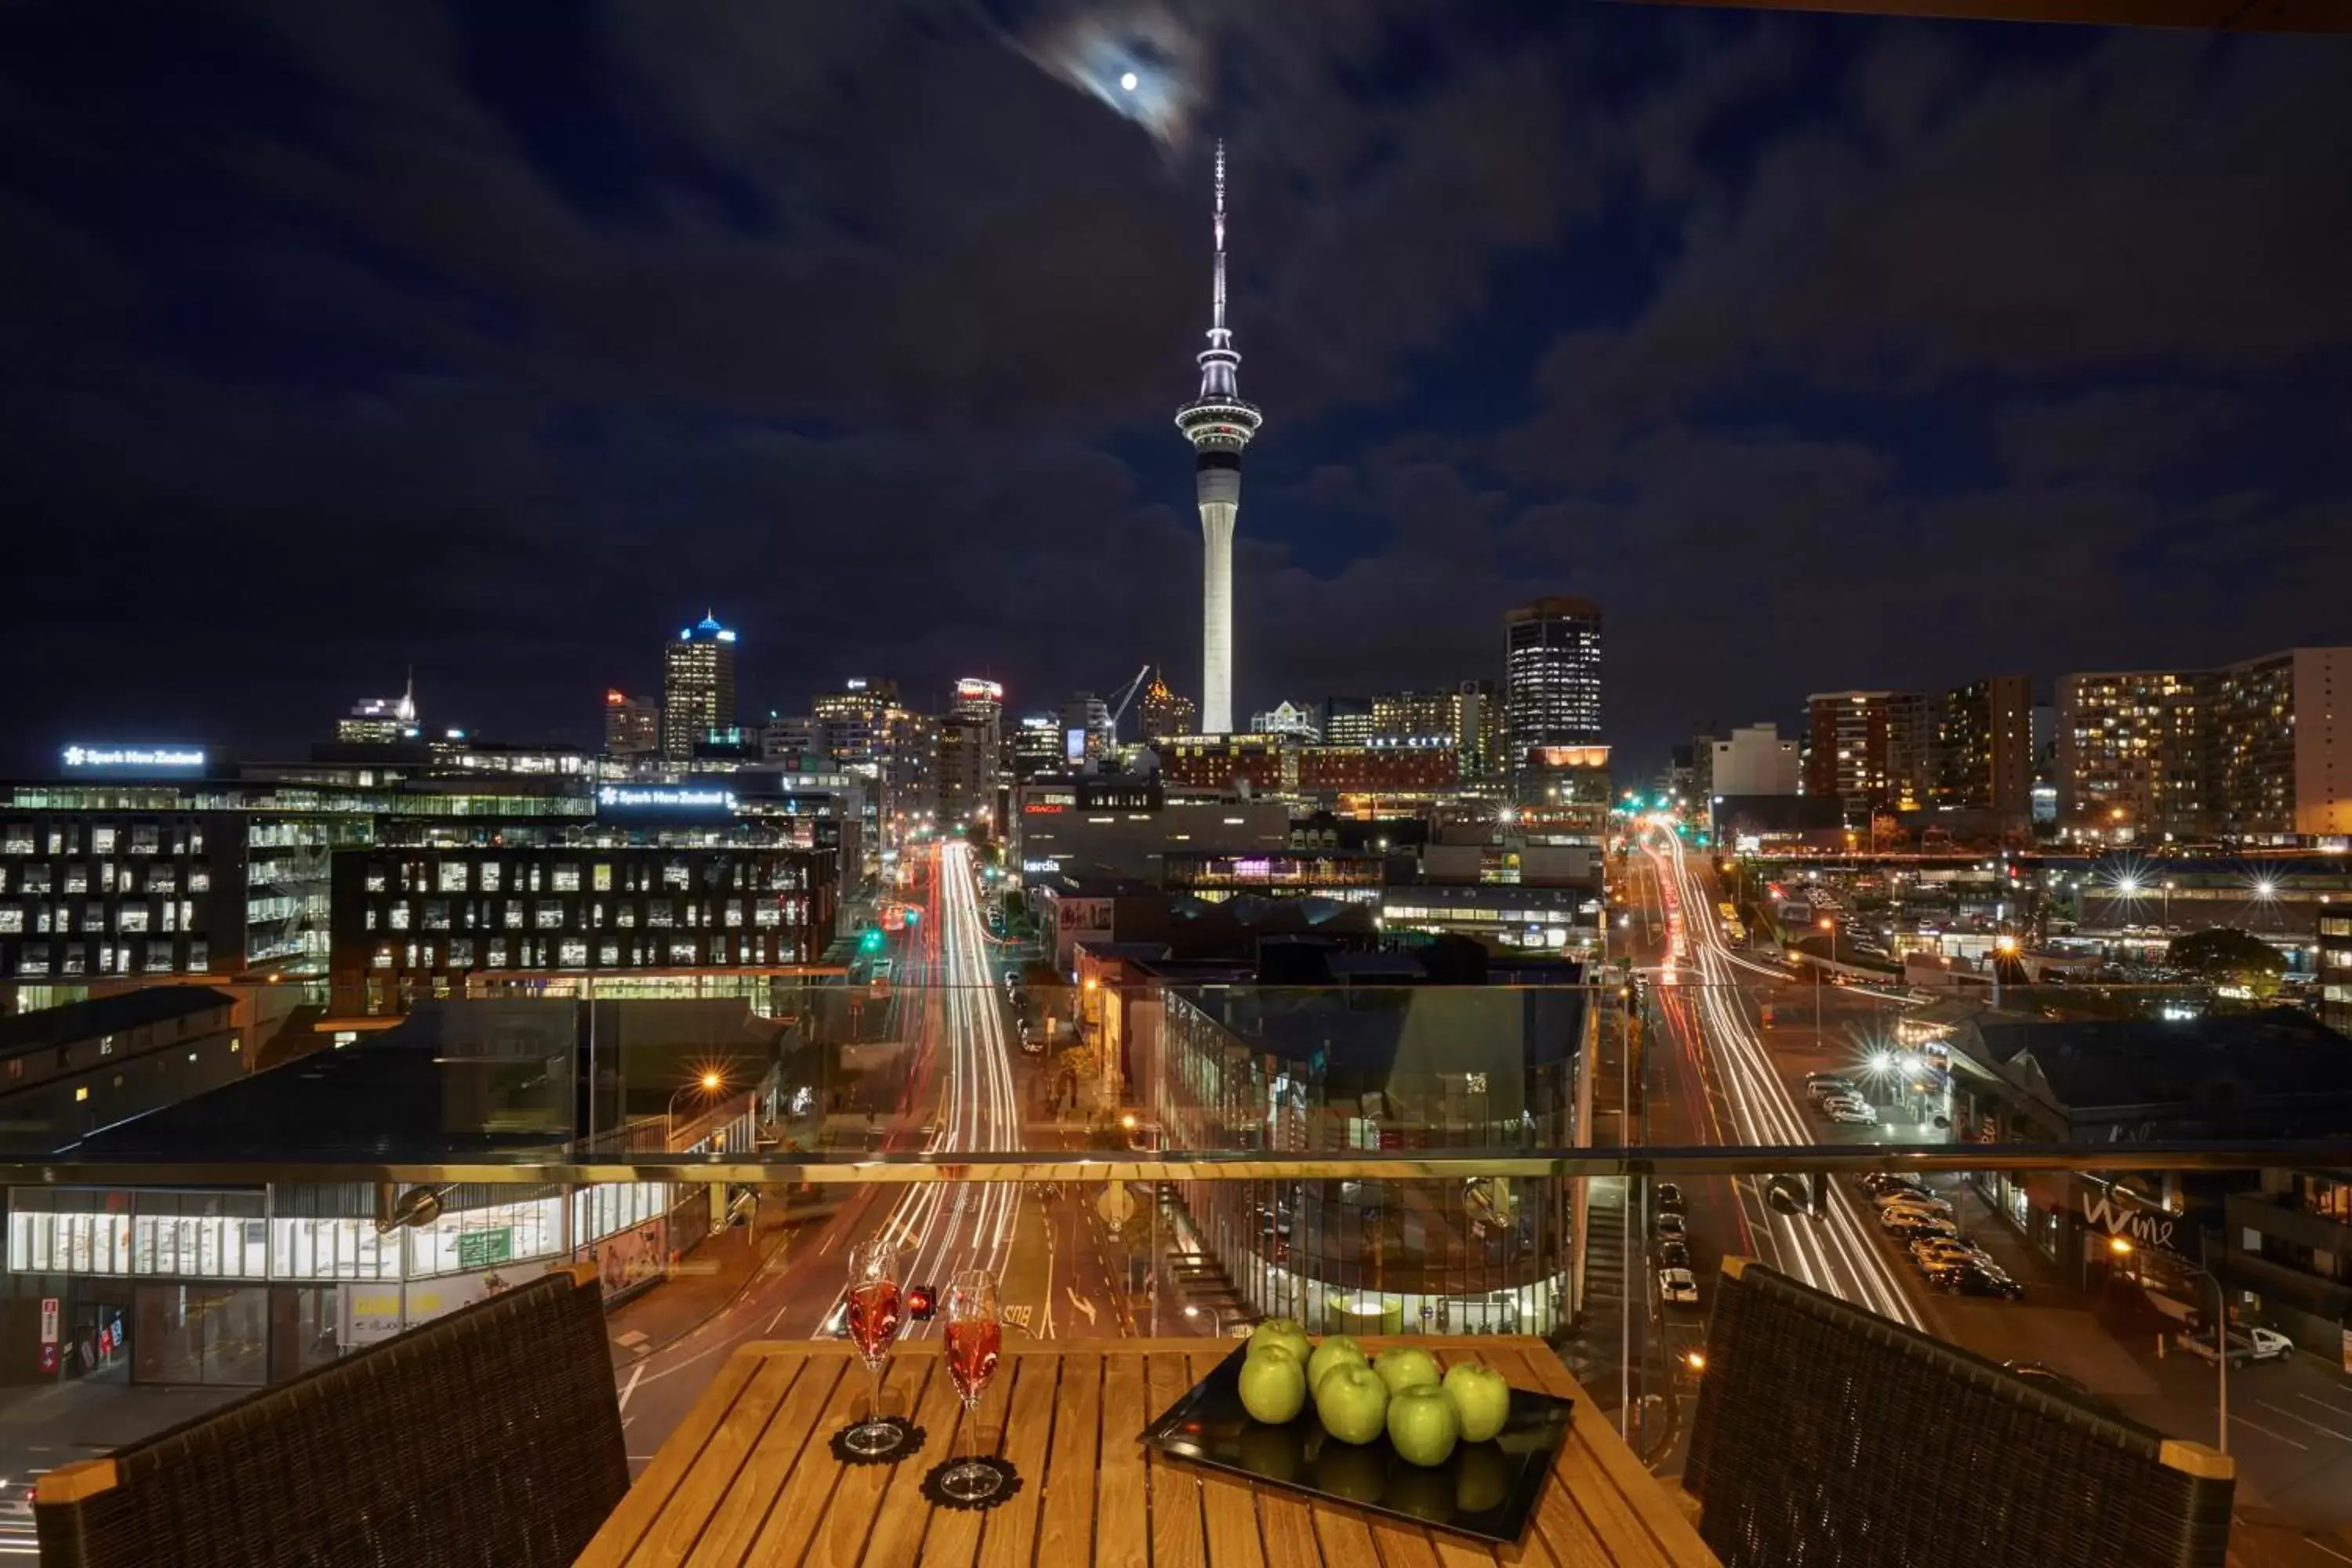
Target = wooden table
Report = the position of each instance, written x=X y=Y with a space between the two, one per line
x=748 y=1479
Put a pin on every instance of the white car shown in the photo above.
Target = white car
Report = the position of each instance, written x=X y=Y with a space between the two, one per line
x=1677 y=1287
x=1851 y=1110
x=1915 y=1201
x=1670 y=1227
x=1943 y=1253
x=1907 y=1214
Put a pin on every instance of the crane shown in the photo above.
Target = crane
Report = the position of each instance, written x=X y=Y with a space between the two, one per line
x=1126 y=696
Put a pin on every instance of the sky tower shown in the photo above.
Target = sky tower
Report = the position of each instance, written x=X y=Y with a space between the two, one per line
x=1219 y=424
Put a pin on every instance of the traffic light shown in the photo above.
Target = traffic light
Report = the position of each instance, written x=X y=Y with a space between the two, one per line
x=913 y=915
x=871 y=941
x=919 y=1303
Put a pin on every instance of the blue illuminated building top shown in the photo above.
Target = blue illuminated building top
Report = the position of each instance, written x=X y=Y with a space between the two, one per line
x=709 y=630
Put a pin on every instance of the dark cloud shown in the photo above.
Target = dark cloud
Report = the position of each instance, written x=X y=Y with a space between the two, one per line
x=497 y=340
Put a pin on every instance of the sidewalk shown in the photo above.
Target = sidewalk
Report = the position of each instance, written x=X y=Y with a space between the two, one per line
x=703 y=1283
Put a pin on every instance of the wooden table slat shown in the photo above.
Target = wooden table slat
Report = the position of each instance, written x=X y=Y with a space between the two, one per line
x=749 y=1478
x=1065 y=1508
x=735 y=1524
x=1009 y=1539
x=617 y=1540
x=901 y=1515
x=1176 y=1540
x=792 y=1521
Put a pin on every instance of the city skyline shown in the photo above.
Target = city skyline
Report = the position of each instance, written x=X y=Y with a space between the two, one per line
x=498 y=370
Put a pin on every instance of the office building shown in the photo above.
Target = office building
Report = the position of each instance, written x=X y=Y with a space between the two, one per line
x=1123 y=826
x=1219 y=424
x=1752 y=761
x=2130 y=755
x=1257 y=763
x=381 y=721
x=1424 y=716
x=422 y=921
x=965 y=776
x=906 y=763
x=1552 y=676
x=1984 y=748
x=853 y=719
x=1087 y=734
x=1347 y=722
x=1037 y=746
x=698 y=686
x=2278 y=752
x=632 y=727
x=1164 y=713
x=2334 y=958
x=1287 y=719
x=1397 y=769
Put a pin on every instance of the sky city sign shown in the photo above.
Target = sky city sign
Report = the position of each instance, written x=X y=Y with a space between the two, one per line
x=625 y=798
x=176 y=759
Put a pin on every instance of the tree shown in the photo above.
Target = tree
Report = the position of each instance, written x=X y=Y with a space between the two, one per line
x=2230 y=957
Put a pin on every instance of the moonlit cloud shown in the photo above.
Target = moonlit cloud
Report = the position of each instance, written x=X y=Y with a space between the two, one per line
x=1100 y=49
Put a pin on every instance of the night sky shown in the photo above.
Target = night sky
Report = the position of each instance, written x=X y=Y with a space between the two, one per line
x=505 y=339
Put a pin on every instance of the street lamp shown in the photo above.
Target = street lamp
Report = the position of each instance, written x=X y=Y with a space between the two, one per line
x=1821 y=979
x=2003 y=946
x=2121 y=1247
x=709 y=1082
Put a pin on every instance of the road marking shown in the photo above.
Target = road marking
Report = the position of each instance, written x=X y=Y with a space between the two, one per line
x=2327 y=1405
x=778 y=1318
x=2336 y=1432
x=1081 y=1303
x=2266 y=1432
x=2310 y=1540
x=636 y=1375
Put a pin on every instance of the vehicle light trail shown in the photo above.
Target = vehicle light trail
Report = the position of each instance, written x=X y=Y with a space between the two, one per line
x=1834 y=1253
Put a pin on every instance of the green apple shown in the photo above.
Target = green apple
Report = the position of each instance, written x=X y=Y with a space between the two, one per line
x=1406 y=1366
x=1284 y=1331
x=1274 y=1385
x=1352 y=1403
x=1357 y=1475
x=1482 y=1400
x=1422 y=1426
x=1481 y=1477
x=1423 y=1493
x=1335 y=1350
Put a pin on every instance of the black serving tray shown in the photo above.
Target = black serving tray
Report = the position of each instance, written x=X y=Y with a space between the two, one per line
x=1484 y=1489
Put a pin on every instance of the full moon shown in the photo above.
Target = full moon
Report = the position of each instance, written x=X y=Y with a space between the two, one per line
x=1128 y=82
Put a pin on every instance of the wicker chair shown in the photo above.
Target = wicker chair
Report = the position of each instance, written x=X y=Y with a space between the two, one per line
x=489 y=1438
x=1829 y=1437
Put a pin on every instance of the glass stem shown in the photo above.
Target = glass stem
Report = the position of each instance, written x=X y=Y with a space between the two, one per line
x=873 y=1393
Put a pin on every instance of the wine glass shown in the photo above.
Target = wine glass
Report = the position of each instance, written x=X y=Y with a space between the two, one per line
x=875 y=1315
x=974 y=1340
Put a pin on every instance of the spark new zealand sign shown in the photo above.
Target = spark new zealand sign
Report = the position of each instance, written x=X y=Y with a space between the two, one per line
x=664 y=797
x=143 y=759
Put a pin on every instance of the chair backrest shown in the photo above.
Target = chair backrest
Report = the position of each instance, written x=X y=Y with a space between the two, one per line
x=488 y=1439
x=1828 y=1436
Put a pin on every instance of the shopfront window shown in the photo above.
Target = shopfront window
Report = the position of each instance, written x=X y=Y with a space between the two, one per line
x=332 y=1249
x=474 y=1238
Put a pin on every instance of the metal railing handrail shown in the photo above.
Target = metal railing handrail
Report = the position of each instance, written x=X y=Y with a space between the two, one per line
x=1180 y=1166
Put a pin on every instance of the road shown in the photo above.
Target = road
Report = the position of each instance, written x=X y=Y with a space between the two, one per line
x=1747 y=1102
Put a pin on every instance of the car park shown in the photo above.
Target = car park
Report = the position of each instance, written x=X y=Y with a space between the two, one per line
x=1677 y=1287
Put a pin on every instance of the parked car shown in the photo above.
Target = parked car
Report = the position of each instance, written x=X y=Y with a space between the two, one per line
x=1908 y=1231
x=1674 y=1255
x=1896 y=1213
x=1831 y=1087
x=1911 y=1200
x=1975 y=1280
x=1677 y=1287
x=1670 y=1198
x=1940 y=1253
x=2245 y=1344
x=1670 y=1227
x=1851 y=1113
x=1878 y=1183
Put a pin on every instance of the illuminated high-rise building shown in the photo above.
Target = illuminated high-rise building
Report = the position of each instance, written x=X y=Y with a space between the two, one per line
x=632 y=726
x=1164 y=712
x=698 y=686
x=1219 y=424
x=1551 y=676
